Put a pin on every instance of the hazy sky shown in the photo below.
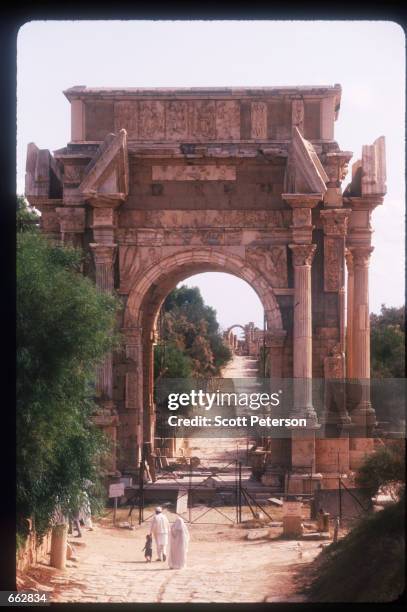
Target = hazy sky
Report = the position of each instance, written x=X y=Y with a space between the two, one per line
x=366 y=58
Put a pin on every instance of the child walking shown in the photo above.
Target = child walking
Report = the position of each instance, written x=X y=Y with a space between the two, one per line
x=148 y=548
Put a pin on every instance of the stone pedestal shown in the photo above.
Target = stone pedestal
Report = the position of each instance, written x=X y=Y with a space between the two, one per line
x=292 y=526
x=59 y=546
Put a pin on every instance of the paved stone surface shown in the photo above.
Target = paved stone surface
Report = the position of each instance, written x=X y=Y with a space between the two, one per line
x=222 y=567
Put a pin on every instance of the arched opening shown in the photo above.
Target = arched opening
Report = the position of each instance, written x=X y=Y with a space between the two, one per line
x=146 y=297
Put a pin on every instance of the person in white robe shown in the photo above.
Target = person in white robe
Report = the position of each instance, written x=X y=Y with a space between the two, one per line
x=179 y=540
x=160 y=528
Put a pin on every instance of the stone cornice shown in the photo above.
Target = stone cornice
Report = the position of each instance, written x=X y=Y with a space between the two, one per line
x=104 y=200
x=134 y=93
x=302 y=200
x=363 y=203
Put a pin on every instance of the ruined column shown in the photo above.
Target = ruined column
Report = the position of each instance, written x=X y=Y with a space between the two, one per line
x=303 y=255
x=363 y=413
x=349 y=315
x=104 y=258
x=132 y=417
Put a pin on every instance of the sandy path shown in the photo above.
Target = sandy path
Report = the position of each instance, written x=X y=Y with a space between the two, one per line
x=222 y=567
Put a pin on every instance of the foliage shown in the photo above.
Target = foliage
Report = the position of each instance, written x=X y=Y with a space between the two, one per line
x=171 y=362
x=64 y=327
x=27 y=217
x=189 y=328
x=342 y=573
x=387 y=339
x=386 y=466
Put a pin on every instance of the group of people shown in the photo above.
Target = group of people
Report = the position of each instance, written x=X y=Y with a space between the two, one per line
x=177 y=536
x=75 y=512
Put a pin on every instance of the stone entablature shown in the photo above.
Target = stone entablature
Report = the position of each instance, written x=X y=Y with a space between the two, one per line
x=161 y=184
x=204 y=114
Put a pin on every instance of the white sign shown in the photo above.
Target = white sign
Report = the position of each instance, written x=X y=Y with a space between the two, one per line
x=292 y=508
x=116 y=490
x=182 y=501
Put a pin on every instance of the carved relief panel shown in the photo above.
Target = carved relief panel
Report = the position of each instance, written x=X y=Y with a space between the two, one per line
x=271 y=262
x=151 y=120
x=126 y=116
x=333 y=264
x=258 y=120
x=176 y=120
x=202 y=119
x=227 y=120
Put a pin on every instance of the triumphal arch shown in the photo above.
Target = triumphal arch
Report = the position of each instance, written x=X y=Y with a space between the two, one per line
x=160 y=184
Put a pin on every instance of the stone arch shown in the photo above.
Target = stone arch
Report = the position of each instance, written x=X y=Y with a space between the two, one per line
x=149 y=289
x=235 y=325
x=151 y=286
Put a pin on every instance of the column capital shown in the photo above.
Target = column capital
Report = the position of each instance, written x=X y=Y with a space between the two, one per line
x=361 y=255
x=335 y=221
x=303 y=254
x=103 y=253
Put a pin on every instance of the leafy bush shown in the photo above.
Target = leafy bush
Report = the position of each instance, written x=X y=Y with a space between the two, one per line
x=64 y=328
x=189 y=327
x=386 y=466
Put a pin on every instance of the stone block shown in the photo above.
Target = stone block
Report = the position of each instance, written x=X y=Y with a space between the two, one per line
x=292 y=526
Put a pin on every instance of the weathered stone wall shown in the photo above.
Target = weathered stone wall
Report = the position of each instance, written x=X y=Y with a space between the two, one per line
x=157 y=185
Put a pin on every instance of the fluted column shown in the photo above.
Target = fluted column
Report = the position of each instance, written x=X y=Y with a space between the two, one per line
x=349 y=315
x=363 y=413
x=104 y=260
x=303 y=255
x=132 y=418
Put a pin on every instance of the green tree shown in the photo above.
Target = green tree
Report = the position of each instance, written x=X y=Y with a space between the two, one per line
x=384 y=467
x=387 y=340
x=171 y=362
x=64 y=328
x=27 y=217
x=189 y=325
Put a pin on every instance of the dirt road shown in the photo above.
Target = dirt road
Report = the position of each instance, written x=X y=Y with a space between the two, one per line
x=223 y=566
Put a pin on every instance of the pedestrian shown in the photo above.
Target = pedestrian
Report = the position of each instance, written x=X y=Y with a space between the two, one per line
x=160 y=527
x=86 y=513
x=148 y=548
x=336 y=529
x=179 y=540
x=74 y=514
x=73 y=518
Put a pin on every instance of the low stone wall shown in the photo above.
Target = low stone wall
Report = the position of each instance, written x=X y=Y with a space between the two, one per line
x=33 y=552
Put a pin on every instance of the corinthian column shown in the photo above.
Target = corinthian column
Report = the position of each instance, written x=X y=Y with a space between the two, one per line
x=104 y=259
x=303 y=255
x=349 y=315
x=363 y=413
